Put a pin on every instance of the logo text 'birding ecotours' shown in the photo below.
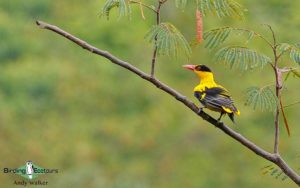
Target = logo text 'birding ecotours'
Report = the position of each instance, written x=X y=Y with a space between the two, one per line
x=29 y=170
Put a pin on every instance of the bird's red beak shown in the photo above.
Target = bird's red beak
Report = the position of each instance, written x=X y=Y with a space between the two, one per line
x=189 y=67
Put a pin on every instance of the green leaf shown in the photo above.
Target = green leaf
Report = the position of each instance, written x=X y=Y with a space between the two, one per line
x=283 y=47
x=168 y=40
x=261 y=98
x=275 y=172
x=250 y=36
x=221 y=8
x=241 y=57
x=236 y=9
x=215 y=37
x=297 y=45
x=293 y=49
x=295 y=55
x=122 y=5
x=180 y=3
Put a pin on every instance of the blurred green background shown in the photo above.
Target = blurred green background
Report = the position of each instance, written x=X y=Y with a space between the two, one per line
x=101 y=126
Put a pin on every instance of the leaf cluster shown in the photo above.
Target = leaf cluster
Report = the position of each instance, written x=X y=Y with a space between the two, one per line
x=293 y=50
x=215 y=37
x=122 y=5
x=235 y=56
x=241 y=57
x=222 y=8
x=245 y=58
x=274 y=172
x=168 y=40
x=261 y=98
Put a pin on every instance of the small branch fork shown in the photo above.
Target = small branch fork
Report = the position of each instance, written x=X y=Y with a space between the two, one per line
x=278 y=86
x=157 y=13
x=274 y=158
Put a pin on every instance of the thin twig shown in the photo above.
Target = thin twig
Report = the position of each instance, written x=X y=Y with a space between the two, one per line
x=276 y=119
x=154 y=56
x=289 y=105
x=273 y=34
x=274 y=158
x=284 y=117
x=278 y=86
x=288 y=69
x=256 y=34
x=248 y=30
x=144 y=5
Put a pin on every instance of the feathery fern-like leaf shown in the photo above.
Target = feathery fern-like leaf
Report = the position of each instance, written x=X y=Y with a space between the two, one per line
x=283 y=47
x=262 y=98
x=241 y=57
x=297 y=45
x=295 y=55
x=274 y=171
x=222 y=8
x=294 y=51
x=217 y=36
x=250 y=36
x=169 y=40
x=122 y=5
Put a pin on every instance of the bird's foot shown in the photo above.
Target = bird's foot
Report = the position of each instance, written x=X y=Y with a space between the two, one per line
x=219 y=121
x=200 y=110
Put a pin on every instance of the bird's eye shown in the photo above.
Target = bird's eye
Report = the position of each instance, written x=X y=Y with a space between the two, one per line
x=202 y=68
x=198 y=68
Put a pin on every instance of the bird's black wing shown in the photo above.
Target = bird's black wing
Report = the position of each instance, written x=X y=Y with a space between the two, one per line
x=218 y=98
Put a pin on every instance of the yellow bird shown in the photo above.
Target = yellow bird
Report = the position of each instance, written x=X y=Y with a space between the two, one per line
x=211 y=95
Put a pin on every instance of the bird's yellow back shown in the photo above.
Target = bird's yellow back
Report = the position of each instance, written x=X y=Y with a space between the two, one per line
x=207 y=81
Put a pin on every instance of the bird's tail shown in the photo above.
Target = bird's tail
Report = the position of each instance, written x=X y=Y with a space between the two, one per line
x=231 y=116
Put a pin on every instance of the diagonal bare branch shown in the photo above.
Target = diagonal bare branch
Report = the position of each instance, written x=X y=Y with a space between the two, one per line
x=274 y=158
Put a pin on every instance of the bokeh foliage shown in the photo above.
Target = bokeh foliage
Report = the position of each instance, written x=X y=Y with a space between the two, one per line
x=62 y=107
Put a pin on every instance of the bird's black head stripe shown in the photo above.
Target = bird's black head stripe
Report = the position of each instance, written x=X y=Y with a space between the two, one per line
x=203 y=68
